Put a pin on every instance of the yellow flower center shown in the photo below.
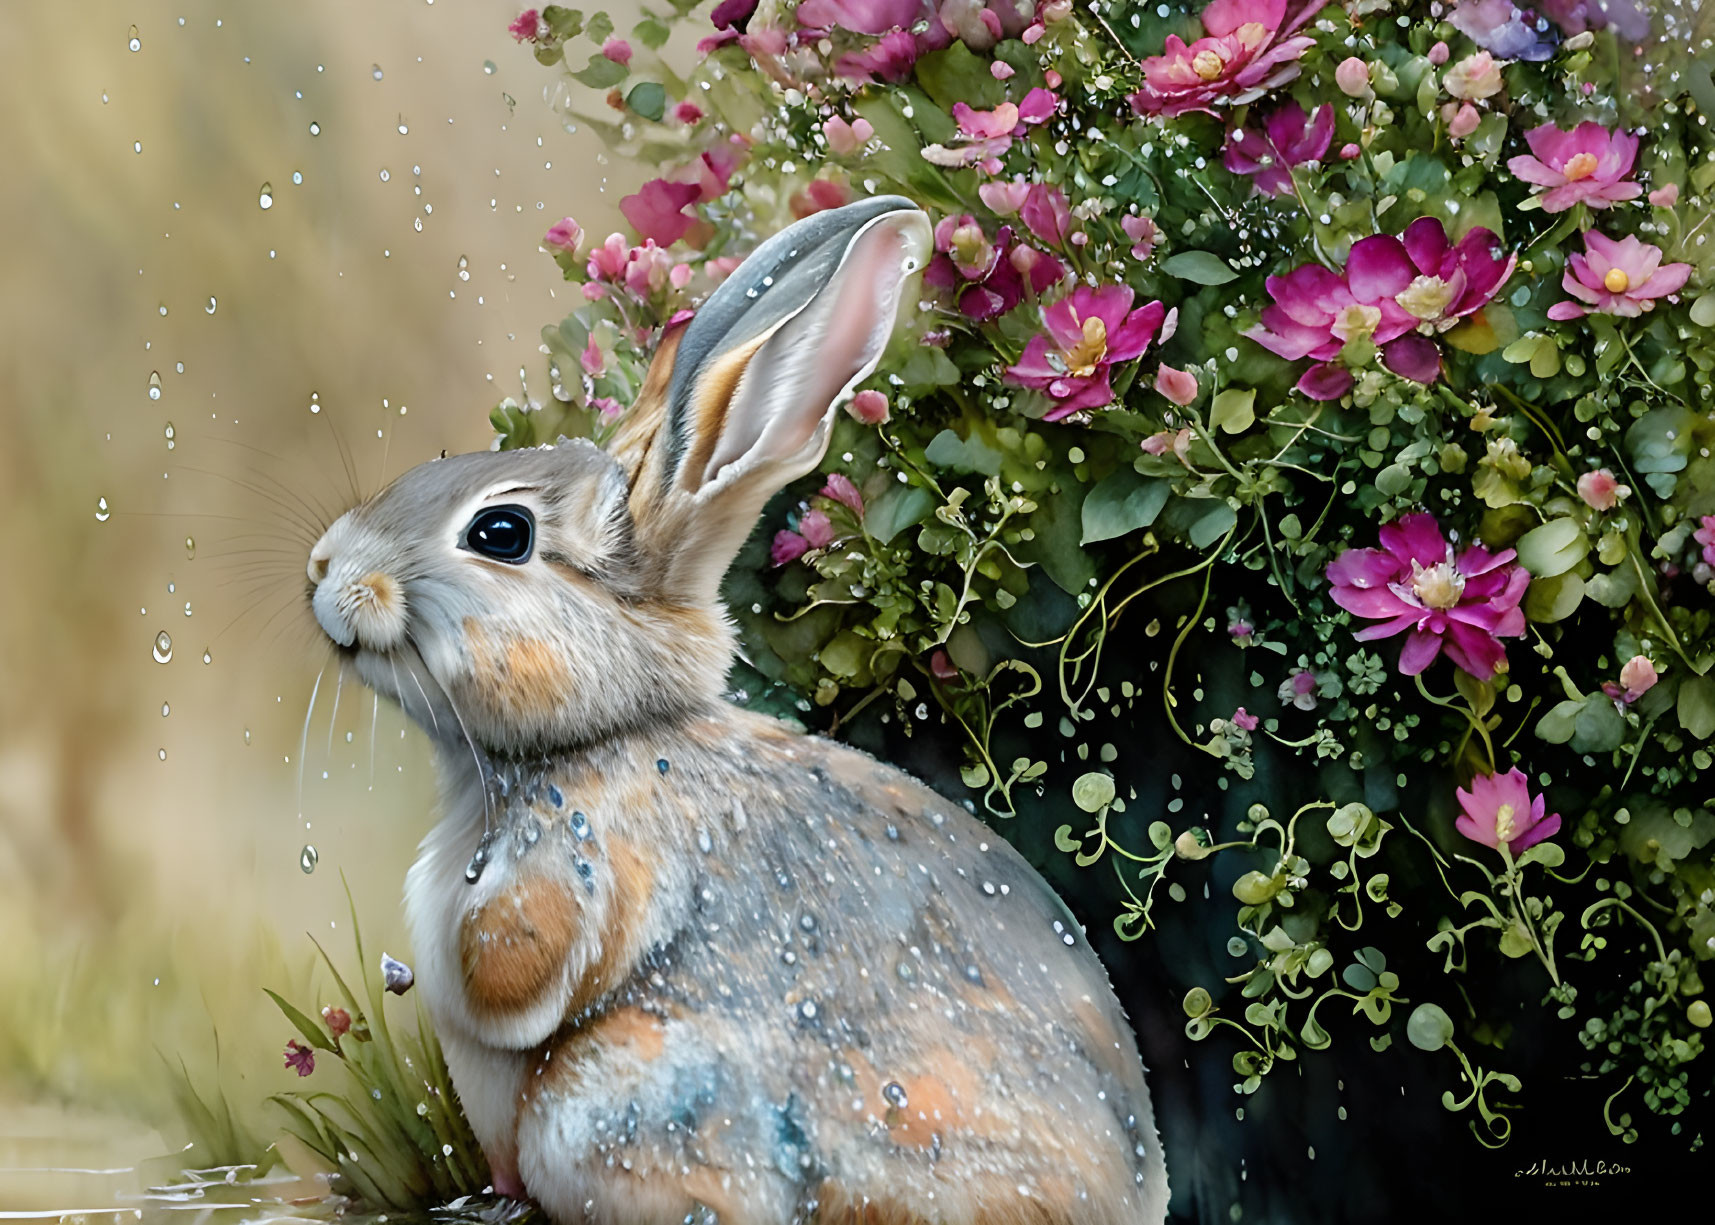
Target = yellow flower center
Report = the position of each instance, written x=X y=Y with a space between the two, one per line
x=1425 y=298
x=1438 y=586
x=1356 y=322
x=1616 y=281
x=1082 y=358
x=1208 y=64
x=1505 y=827
x=1579 y=166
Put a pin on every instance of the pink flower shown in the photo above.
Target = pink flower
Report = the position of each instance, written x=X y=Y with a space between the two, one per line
x=1396 y=293
x=1176 y=441
x=1438 y=54
x=1601 y=491
x=657 y=211
x=607 y=262
x=1665 y=197
x=1179 y=386
x=1046 y=214
x=1000 y=70
x=818 y=196
x=1465 y=120
x=1248 y=51
x=869 y=407
x=1500 y=810
x=564 y=235
x=1705 y=536
x=1349 y=151
x=1144 y=234
x=1587 y=165
x=941 y=667
x=1244 y=720
x=1084 y=335
x=1353 y=77
x=846 y=138
x=861 y=16
x=841 y=490
x=788 y=547
x=527 y=27
x=986 y=278
x=1239 y=625
x=338 y=1021
x=816 y=528
x=1004 y=198
x=729 y=13
x=987 y=135
x=1474 y=78
x=607 y=407
x=1299 y=689
x=617 y=50
x=300 y=1058
x=1288 y=138
x=1462 y=603
x=1637 y=678
x=591 y=359
x=1617 y=278
x=688 y=113
x=890 y=58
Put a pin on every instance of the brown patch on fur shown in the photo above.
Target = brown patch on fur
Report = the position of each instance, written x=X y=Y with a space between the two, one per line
x=710 y=401
x=383 y=590
x=635 y=435
x=703 y=1184
x=1107 y=1051
x=631 y=873
x=520 y=676
x=937 y=1104
x=511 y=948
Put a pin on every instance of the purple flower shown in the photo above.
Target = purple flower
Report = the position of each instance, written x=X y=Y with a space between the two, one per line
x=1463 y=604
x=1247 y=52
x=1501 y=29
x=1239 y=625
x=1587 y=165
x=1299 y=689
x=1617 y=278
x=1499 y=809
x=1288 y=138
x=729 y=14
x=986 y=277
x=1244 y=720
x=396 y=976
x=300 y=1058
x=1084 y=335
x=1705 y=536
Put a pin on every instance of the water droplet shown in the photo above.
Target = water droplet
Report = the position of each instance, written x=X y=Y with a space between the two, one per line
x=155 y=380
x=555 y=796
x=580 y=827
x=307 y=858
x=265 y=197
x=663 y=765
x=464 y=269
x=102 y=514
x=386 y=175
x=375 y=71
x=190 y=548
x=188 y=613
x=165 y=710
x=894 y=1092
x=211 y=304
x=315 y=128
x=163 y=647
x=169 y=433
x=163 y=754
x=488 y=67
x=136 y=43
x=206 y=657
x=247 y=736
x=315 y=401
x=163 y=309
x=403 y=126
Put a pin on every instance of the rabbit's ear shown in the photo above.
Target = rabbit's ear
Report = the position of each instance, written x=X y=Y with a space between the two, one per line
x=741 y=400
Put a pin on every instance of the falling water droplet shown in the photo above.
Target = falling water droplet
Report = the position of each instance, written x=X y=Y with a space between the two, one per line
x=464 y=269
x=155 y=383
x=165 y=710
x=190 y=548
x=162 y=753
x=169 y=433
x=136 y=43
x=315 y=128
x=211 y=304
x=265 y=197
x=403 y=126
x=163 y=309
x=307 y=858
x=315 y=401
x=375 y=71
x=102 y=514
x=206 y=657
x=247 y=736
x=163 y=647
x=187 y=608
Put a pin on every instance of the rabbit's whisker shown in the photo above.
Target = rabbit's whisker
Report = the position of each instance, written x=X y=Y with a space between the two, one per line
x=338 y=688
x=304 y=738
x=481 y=776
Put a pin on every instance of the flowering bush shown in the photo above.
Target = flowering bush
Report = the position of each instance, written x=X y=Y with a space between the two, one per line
x=1385 y=329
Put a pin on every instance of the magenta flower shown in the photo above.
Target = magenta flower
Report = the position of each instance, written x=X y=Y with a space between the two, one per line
x=300 y=1058
x=1244 y=720
x=1249 y=50
x=730 y=13
x=861 y=16
x=788 y=546
x=1299 y=689
x=1084 y=335
x=528 y=26
x=617 y=50
x=1601 y=491
x=869 y=407
x=1463 y=604
x=1144 y=234
x=657 y=211
x=840 y=489
x=987 y=135
x=1500 y=810
x=1046 y=213
x=1396 y=293
x=1587 y=165
x=1705 y=536
x=1288 y=138
x=986 y=277
x=890 y=58
x=1637 y=677
x=564 y=235
x=1617 y=278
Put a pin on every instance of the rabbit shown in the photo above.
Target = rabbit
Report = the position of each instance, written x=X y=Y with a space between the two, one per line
x=688 y=964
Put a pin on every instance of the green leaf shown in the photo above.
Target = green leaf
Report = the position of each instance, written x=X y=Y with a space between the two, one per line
x=1554 y=548
x=1121 y=503
x=1197 y=1003
x=563 y=22
x=1599 y=728
x=1557 y=725
x=900 y=507
x=312 y=1033
x=973 y=454
x=846 y=655
x=601 y=72
x=1697 y=706
x=1201 y=267
x=1233 y=410
x=1212 y=524
x=956 y=74
x=650 y=33
x=600 y=25
x=1553 y=599
x=648 y=99
x=1429 y=1027
x=1093 y=791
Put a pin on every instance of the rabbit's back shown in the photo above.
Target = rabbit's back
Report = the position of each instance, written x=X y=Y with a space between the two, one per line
x=865 y=1003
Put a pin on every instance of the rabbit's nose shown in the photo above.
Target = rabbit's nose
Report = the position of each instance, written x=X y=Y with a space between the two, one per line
x=319 y=558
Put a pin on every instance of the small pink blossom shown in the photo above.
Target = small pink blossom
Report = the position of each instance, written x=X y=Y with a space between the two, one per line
x=820 y=195
x=1463 y=603
x=1299 y=689
x=338 y=1021
x=688 y=113
x=300 y=1058
x=1046 y=214
x=1438 y=54
x=1286 y=138
x=1623 y=277
x=1251 y=46
x=1000 y=70
x=591 y=359
x=1144 y=234
x=846 y=138
x=1244 y=720
x=1086 y=334
x=617 y=50
x=1053 y=79
x=1465 y=120
x=816 y=528
x=1665 y=197
x=1499 y=810
x=1705 y=536
x=1179 y=386
x=527 y=27
x=1348 y=151
x=657 y=210
x=840 y=489
x=1353 y=77
x=1239 y=625
x=1601 y=491
x=788 y=547
x=1003 y=198
x=607 y=407
x=564 y=235
x=1637 y=677
x=1475 y=77
x=869 y=407
x=1587 y=165
x=1176 y=441
x=607 y=262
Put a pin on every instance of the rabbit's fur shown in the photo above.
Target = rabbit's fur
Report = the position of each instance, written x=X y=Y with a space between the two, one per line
x=688 y=965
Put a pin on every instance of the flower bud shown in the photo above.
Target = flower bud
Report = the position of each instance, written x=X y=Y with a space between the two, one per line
x=1353 y=77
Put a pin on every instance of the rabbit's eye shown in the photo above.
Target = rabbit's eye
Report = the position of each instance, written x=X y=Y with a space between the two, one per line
x=504 y=533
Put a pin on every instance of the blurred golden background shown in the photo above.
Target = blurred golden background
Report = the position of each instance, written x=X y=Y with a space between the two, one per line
x=260 y=257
